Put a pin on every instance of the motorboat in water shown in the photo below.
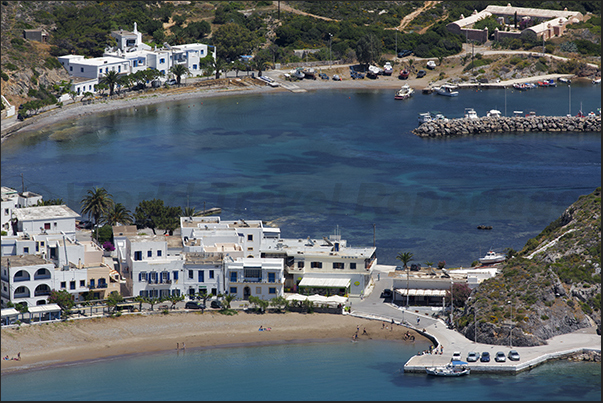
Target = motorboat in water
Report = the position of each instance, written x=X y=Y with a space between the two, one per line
x=404 y=93
x=597 y=80
x=470 y=113
x=454 y=368
x=564 y=80
x=425 y=117
x=493 y=113
x=447 y=90
x=492 y=257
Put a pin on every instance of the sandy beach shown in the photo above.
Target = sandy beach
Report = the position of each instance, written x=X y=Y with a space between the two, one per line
x=71 y=341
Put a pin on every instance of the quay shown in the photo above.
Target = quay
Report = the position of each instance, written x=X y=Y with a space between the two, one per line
x=584 y=340
x=503 y=124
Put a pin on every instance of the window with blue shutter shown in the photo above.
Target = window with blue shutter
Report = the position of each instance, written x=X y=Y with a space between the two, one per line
x=175 y=275
x=271 y=277
x=233 y=276
x=201 y=276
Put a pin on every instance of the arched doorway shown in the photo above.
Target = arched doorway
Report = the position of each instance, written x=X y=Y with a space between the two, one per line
x=246 y=293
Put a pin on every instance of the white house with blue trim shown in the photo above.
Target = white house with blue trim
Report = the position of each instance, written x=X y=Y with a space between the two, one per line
x=258 y=277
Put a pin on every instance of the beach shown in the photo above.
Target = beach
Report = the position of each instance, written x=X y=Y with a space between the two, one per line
x=87 y=339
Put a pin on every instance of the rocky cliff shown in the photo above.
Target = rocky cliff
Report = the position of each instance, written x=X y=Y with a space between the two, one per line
x=551 y=287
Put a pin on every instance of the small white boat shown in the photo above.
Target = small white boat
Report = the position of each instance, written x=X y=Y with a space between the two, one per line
x=388 y=69
x=470 y=113
x=492 y=257
x=493 y=113
x=375 y=70
x=404 y=93
x=425 y=117
x=597 y=80
x=564 y=80
x=454 y=368
x=447 y=90
x=431 y=65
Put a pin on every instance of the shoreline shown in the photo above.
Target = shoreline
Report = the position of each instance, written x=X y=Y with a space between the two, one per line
x=72 y=342
x=226 y=87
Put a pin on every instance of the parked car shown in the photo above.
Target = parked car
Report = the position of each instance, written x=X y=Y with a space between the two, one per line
x=323 y=76
x=472 y=356
x=500 y=357
x=173 y=81
x=336 y=77
x=431 y=65
x=387 y=293
x=485 y=357
x=456 y=356
x=193 y=305
x=513 y=355
x=216 y=304
x=421 y=73
x=404 y=53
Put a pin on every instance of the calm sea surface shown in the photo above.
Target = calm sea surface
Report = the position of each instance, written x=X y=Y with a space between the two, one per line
x=311 y=162
x=367 y=370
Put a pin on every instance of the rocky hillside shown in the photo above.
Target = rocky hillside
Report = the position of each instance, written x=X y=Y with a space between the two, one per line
x=551 y=287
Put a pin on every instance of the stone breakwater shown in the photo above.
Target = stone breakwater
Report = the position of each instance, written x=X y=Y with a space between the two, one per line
x=464 y=126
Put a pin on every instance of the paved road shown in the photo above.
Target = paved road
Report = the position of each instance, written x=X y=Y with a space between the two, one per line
x=374 y=307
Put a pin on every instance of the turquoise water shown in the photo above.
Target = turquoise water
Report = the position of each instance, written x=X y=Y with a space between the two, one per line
x=341 y=371
x=317 y=160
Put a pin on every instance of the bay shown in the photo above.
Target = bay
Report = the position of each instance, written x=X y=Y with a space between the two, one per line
x=328 y=371
x=315 y=161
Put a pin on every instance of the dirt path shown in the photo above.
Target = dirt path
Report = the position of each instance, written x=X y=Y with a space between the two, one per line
x=406 y=20
x=285 y=7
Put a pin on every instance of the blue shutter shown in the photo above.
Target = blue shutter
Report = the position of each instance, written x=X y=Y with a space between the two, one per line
x=139 y=277
x=175 y=275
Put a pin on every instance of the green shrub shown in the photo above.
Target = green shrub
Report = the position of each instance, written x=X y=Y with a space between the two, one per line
x=10 y=66
x=52 y=63
x=541 y=67
x=4 y=76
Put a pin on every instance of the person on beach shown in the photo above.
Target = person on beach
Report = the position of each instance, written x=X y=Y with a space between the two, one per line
x=19 y=356
x=364 y=331
x=183 y=347
x=177 y=346
x=261 y=328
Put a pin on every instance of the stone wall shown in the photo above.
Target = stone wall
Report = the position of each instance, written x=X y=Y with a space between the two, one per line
x=460 y=127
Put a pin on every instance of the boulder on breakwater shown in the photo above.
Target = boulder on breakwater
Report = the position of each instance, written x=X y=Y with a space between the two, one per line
x=464 y=126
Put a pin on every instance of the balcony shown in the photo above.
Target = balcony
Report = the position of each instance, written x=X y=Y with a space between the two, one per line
x=22 y=278
x=41 y=277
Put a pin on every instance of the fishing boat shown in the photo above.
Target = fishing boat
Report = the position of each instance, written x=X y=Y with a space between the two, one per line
x=543 y=83
x=493 y=113
x=425 y=117
x=470 y=113
x=387 y=69
x=431 y=65
x=454 y=368
x=447 y=90
x=564 y=80
x=404 y=93
x=597 y=80
x=403 y=74
x=438 y=116
x=552 y=83
x=492 y=257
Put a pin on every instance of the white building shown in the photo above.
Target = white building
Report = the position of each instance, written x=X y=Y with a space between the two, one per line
x=26 y=280
x=326 y=266
x=11 y=200
x=203 y=274
x=146 y=266
x=258 y=277
x=56 y=219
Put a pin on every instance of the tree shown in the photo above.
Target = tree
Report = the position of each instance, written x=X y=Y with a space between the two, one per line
x=140 y=301
x=279 y=303
x=153 y=214
x=259 y=63
x=259 y=303
x=410 y=62
x=368 y=49
x=50 y=202
x=233 y=40
x=113 y=299
x=61 y=298
x=179 y=70
x=110 y=79
x=118 y=214
x=238 y=66
x=440 y=59
x=174 y=299
x=97 y=203
x=404 y=257
x=217 y=65
x=228 y=299
x=460 y=293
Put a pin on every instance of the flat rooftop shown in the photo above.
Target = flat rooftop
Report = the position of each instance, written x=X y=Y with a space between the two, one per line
x=22 y=260
x=44 y=213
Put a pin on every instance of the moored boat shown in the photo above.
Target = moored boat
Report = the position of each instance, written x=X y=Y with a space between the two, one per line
x=387 y=69
x=454 y=368
x=493 y=113
x=552 y=83
x=425 y=117
x=447 y=90
x=492 y=257
x=470 y=113
x=597 y=80
x=405 y=92
x=564 y=80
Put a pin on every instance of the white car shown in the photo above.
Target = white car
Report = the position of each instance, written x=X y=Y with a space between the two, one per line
x=456 y=356
x=500 y=357
x=472 y=356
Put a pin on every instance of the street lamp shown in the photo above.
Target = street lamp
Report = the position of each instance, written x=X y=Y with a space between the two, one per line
x=407 y=274
x=569 y=112
x=451 y=305
x=511 y=331
x=330 y=55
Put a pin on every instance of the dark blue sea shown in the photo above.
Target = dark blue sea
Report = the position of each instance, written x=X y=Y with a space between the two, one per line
x=315 y=161
x=329 y=371
x=309 y=163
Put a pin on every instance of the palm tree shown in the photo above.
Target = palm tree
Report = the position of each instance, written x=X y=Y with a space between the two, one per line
x=259 y=63
x=118 y=214
x=405 y=257
x=179 y=70
x=440 y=59
x=96 y=204
x=51 y=202
x=191 y=212
x=217 y=65
x=410 y=61
x=110 y=79
x=238 y=66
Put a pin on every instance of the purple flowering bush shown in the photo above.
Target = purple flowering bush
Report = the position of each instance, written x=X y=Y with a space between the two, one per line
x=108 y=246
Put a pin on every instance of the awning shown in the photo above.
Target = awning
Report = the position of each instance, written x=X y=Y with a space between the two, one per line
x=10 y=312
x=327 y=282
x=44 y=308
x=421 y=292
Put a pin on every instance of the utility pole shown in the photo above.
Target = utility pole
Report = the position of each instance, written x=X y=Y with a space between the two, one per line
x=511 y=331
x=22 y=184
x=330 y=54
x=396 y=56
x=374 y=235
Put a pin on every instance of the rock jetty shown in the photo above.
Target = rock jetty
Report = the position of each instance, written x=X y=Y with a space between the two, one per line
x=483 y=125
